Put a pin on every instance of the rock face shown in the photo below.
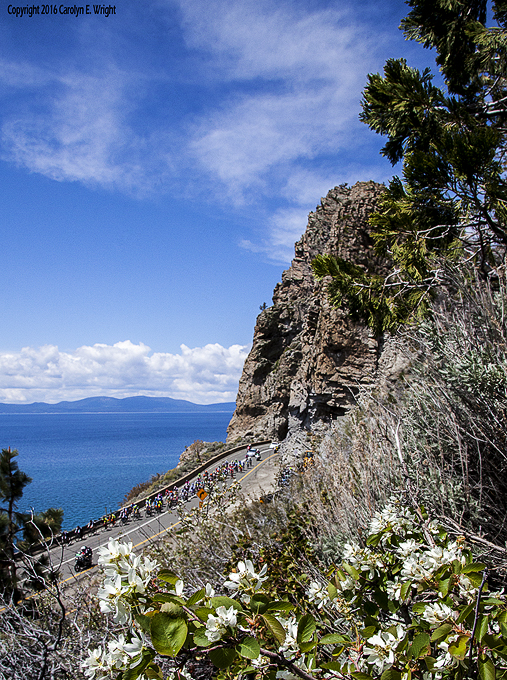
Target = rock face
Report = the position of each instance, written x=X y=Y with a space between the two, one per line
x=308 y=359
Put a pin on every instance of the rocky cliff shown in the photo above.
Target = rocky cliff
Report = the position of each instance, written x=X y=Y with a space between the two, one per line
x=308 y=359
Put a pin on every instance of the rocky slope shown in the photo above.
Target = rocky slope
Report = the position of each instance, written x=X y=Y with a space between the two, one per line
x=308 y=359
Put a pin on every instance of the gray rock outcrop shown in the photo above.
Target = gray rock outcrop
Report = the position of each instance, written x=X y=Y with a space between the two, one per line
x=309 y=359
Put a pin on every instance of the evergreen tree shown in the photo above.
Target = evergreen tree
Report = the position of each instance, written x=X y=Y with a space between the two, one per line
x=12 y=483
x=451 y=201
x=21 y=531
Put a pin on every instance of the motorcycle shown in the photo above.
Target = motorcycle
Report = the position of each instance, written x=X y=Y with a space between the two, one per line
x=253 y=453
x=83 y=560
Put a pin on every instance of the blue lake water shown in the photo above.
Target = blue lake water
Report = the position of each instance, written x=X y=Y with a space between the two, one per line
x=85 y=463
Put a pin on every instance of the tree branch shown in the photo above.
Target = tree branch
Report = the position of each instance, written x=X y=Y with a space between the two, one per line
x=280 y=659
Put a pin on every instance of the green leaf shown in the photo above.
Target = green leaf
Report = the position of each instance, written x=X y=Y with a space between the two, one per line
x=138 y=670
x=381 y=599
x=168 y=633
x=168 y=576
x=405 y=589
x=307 y=646
x=390 y=674
x=172 y=609
x=132 y=673
x=338 y=651
x=482 y=627
x=458 y=649
x=153 y=672
x=441 y=632
x=306 y=628
x=368 y=631
x=168 y=597
x=144 y=622
x=334 y=639
x=370 y=608
x=200 y=638
x=403 y=645
x=456 y=567
x=496 y=642
x=352 y=571
x=280 y=606
x=419 y=645
x=203 y=612
x=443 y=586
x=373 y=539
x=259 y=603
x=225 y=602
x=249 y=648
x=275 y=627
x=465 y=613
x=486 y=668
x=473 y=566
x=223 y=657
x=430 y=663
x=361 y=676
x=332 y=590
x=332 y=666
x=475 y=578
x=196 y=597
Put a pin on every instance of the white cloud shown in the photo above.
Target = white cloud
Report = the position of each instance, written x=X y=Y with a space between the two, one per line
x=284 y=85
x=298 y=79
x=265 y=134
x=208 y=374
x=255 y=39
x=305 y=73
x=78 y=131
x=286 y=227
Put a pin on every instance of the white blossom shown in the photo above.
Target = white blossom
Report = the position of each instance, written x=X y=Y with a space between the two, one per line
x=113 y=551
x=393 y=517
x=394 y=589
x=406 y=548
x=435 y=557
x=178 y=588
x=112 y=602
x=95 y=663
x=216 y=626
x=318 y=593
x=246 y=577
x=290 y=646
x=437 y=612
x=381 y=648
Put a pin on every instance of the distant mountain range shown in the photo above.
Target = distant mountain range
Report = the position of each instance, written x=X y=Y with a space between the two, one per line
x=127 y=405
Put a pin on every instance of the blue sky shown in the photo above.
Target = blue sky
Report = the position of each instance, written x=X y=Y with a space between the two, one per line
x=156 y=168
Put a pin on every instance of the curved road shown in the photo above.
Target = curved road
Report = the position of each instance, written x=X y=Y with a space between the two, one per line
x=255 y=480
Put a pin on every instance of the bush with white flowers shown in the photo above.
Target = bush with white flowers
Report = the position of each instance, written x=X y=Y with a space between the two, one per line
x=408 y=603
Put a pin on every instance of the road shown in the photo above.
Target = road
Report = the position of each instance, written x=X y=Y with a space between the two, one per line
x=253 y=481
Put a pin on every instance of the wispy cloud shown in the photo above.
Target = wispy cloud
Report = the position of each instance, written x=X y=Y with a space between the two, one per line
x=284 y=85
x=208 y=374
x=285 y=227
x=75 y=128
x=293 y=112
x=304 y=73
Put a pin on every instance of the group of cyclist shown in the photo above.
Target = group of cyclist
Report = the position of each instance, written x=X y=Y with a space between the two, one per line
x=178 y=495
x=170 y=498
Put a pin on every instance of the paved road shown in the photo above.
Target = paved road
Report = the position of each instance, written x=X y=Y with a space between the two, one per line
x=254 y=481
